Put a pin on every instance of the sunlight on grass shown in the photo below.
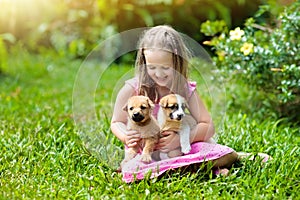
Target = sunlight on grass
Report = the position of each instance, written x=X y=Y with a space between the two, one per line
x=44 y=156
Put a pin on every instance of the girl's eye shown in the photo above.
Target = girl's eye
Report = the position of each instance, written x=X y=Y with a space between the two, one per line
x=143 y=107
x=151 y=67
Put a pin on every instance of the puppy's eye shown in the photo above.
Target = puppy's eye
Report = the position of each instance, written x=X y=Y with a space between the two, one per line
x=174 y=106
x=131 y=108
x=143 y=107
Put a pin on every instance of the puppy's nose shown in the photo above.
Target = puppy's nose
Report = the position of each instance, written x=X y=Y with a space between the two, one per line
x=136 y=114
x=179 y=116
x=137 y=117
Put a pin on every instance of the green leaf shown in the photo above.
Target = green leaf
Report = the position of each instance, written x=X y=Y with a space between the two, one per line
x=8 y=37
x=146 y=16
x=262 y=10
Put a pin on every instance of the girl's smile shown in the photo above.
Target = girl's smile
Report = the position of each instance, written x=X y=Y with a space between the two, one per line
x=159 y=66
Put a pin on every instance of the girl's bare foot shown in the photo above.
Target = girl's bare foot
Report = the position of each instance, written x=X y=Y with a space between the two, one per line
x=221 y=172
x=251 y=156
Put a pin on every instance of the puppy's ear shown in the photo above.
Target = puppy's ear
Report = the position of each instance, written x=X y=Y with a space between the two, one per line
x=163 y=102
x=150 y=103
x=125 y=108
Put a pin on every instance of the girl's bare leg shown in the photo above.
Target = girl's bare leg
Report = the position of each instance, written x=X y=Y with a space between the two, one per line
x=226 y=161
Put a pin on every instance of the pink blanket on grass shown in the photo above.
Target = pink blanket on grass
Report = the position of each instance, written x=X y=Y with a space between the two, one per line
x=200 y=152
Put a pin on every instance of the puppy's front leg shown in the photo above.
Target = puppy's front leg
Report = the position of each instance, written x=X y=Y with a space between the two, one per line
x=148 y=149
x=184 y=135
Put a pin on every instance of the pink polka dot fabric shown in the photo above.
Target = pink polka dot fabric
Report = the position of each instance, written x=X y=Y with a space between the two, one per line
x=200 y=152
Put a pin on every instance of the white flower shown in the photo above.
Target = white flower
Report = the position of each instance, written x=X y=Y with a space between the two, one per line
x=236 y=34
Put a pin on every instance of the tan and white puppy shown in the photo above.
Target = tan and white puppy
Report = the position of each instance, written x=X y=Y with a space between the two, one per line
x=139 y=109
x=172 y=117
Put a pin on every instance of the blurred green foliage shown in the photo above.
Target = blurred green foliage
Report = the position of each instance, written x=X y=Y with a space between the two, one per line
x=74 y=27
x=3 y=50
x=264 y=54
x=3 y=55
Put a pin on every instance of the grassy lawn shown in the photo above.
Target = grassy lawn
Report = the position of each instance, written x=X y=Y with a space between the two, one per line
x=45 y=155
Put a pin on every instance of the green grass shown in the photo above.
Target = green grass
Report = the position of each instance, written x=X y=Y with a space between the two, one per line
x=45 y=155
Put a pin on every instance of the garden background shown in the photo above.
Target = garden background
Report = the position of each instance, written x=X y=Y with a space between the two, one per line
x=254 y=46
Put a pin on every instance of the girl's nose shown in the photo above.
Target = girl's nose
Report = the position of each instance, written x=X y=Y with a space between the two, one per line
x=159 y=72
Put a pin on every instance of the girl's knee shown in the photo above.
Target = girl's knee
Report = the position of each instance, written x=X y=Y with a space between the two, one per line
x=232 y=157
x=226 y=160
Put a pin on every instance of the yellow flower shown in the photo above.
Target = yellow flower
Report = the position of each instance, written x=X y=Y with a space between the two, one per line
x=236 y=34
x=221 y=55
x=247 y=48
x=207 y=42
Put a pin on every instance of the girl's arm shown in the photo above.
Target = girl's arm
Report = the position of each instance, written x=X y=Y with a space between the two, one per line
x=119 y=119
x=204 y=129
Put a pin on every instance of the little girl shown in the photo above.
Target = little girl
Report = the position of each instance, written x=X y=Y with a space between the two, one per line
x=161 y=69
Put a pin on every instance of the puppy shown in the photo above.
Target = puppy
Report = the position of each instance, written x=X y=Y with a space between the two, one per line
x=139 y=109
x=171 y=117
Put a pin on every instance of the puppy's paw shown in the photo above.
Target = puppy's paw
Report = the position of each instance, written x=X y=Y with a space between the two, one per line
x=156 y=156
x=186 y=149
x=146 y=158
x=174 y=153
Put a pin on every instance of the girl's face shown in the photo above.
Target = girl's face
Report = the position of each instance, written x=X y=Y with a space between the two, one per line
x=159 y=66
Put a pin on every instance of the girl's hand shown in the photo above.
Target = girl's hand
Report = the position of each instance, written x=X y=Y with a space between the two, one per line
x=131 y=138
x=169 y=141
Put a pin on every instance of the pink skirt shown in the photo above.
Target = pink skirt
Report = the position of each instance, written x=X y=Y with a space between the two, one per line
x=200 y=152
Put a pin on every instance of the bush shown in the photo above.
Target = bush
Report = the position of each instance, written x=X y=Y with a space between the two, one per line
x=264 y=55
